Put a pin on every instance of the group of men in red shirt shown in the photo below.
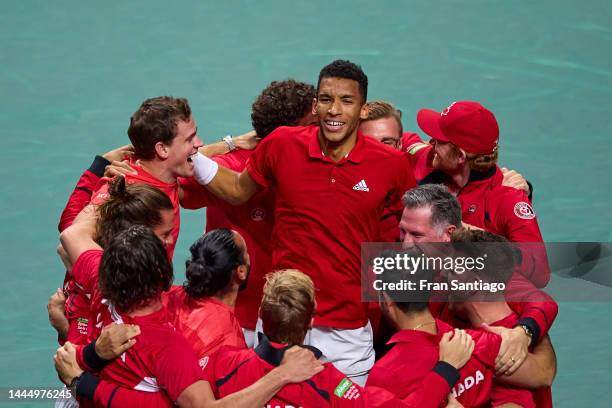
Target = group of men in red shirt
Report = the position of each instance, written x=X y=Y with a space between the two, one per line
x=313 y=190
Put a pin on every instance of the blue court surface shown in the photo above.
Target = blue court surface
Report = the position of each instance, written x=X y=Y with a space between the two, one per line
x=71 y=74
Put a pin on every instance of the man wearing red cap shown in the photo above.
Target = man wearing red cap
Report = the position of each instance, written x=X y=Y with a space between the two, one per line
x=464 y=157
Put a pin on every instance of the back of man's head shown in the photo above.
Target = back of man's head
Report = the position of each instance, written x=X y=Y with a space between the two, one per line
x=214 y=257
x=282 y=103
x=445 y=209
x=346 y=70
x=135 y=269
x=412 y=301
x=499 y=254
x=156 y=121
x=287 y=306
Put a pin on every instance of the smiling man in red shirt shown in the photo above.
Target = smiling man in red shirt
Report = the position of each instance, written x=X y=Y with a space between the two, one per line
x=332 y=185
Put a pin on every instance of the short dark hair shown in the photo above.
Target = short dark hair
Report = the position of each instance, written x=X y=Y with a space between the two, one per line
x=347 y=70
x=397 y=276
x=282 y=103
x=156 y=121
x=135 y=269
x=445 y=209
x=500 y=254
x=214 y=256
x=129 y=204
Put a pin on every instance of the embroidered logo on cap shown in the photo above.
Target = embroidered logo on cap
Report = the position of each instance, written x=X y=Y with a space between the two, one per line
x=447 y=110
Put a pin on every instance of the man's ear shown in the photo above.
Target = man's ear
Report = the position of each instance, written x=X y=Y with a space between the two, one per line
x=314 y=106
x=161 y=150
x=241 y=272
x=448 y=231
x=461 y=155
x=363 y=113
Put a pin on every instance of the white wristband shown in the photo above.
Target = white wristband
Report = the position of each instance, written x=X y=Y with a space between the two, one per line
x=204 y=169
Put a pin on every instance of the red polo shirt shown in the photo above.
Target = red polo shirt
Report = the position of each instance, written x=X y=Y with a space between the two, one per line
x=143 y=177
x=414 y=355
x=230 y=370
x=254 y=220
x=206 y=323
x=324 y=211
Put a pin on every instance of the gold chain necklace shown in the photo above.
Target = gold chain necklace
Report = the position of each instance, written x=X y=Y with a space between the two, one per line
x=418 y=326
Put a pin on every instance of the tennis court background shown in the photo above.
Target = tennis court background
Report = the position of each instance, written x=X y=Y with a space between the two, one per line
x=71 y=74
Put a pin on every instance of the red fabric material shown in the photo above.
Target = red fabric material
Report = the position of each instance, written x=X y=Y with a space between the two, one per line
x=324 y=211
x=80 y=197
x=489 y=205
x=466 y=124
x=254 y=220
x=160 y=356
x=78 y=303
x=322 y=390
x=414 y=355
x=207 y=324
x=142 y=177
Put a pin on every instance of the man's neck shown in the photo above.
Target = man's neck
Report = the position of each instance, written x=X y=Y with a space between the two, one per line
x=486 y=312
x=158 y=170
x=151 y=307
x=422 y=321
x=338 y=151
x=228 y=298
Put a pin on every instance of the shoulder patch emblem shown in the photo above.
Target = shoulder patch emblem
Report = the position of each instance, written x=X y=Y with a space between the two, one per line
x=203 y=362
x=258 y=214
x=524 y=210
x=413 y=148
x=342 y=388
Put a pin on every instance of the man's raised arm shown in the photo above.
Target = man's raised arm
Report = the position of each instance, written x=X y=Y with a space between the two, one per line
x=235 y=188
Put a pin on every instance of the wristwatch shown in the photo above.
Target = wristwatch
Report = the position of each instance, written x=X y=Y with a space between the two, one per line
x=230 y=143
x=527 y=330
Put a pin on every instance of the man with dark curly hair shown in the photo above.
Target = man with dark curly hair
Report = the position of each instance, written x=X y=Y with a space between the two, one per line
x=282 y=103
x=330 y=195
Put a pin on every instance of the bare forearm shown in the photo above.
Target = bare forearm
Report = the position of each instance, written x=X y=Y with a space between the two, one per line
x=255 y=395
x=214 y=149
x=538 y=370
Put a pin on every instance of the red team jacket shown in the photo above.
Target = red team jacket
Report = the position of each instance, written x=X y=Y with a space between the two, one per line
x=486 y=204
x=230 y=370
x=414 y=354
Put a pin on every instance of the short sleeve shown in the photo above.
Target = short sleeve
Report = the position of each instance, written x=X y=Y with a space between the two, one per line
x=85 y=269
x=261 y=166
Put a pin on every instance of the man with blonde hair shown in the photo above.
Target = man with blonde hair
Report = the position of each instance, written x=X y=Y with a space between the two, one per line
x=287 y=311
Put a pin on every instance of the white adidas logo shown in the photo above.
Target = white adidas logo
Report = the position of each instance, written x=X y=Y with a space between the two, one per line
x=361 y=186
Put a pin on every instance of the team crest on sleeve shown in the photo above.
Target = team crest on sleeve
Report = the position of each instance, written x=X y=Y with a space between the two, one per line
x=258 y=214
x=203 y=362
x=524 y=210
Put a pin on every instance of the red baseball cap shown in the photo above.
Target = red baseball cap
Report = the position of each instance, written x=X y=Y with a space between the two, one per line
x=466 y=124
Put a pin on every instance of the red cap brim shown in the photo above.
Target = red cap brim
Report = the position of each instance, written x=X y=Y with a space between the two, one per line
x=429 y=122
